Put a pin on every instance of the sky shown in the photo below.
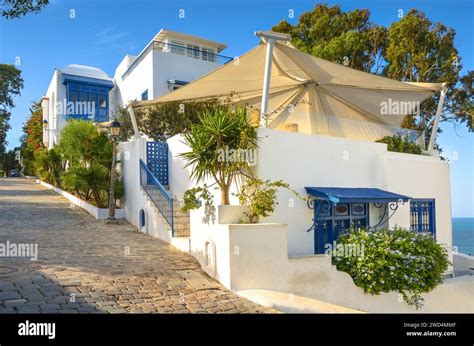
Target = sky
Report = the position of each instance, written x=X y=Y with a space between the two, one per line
x=101 y=32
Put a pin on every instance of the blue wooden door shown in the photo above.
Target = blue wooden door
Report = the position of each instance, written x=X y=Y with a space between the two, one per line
x=157 y=160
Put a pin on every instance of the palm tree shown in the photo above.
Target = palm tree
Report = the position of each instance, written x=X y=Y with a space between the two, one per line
x=215 y=142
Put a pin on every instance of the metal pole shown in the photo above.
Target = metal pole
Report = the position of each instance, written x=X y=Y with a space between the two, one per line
x=439 y=110
x=269 y=38
x=131 y=112
x=112 y=182
x=266 y=82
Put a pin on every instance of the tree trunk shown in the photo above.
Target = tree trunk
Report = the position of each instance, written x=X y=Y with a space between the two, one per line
x=225 y=195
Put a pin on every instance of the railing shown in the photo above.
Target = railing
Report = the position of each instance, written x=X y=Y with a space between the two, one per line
x=178 y=49
x=161 y=198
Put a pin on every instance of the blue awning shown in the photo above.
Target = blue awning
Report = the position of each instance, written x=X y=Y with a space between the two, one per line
x=355 y=194
x=106 y=83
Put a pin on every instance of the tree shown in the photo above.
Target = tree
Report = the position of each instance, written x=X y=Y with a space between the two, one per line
x=412 y=49
x=81 y=142
x=11 y=84
x=9 y=162
x=32 y=139
x=419 y=50
x=164 y=120
x=11 y=9
x=219 y=132
x=349 y=38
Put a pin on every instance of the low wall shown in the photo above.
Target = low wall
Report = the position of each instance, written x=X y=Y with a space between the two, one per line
x=135 y=198
x=255 y=256
x=98 y=213
x=463 y=264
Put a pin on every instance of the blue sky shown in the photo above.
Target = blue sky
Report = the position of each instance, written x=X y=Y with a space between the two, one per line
x=103 y=31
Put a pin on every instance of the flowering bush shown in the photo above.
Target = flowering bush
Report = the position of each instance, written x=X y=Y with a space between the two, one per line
x=405 y=261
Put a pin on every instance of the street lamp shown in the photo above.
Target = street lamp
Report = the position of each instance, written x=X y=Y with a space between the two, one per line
x=114 y=131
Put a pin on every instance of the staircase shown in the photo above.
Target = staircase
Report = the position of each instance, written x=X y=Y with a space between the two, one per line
x=162 y=200
x=180 y=220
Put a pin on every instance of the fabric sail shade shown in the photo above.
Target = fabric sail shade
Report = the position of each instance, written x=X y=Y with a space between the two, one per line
x=358 y=194
x=320 y=96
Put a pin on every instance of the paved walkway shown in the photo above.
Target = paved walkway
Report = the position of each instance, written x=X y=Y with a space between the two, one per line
x=85 y=265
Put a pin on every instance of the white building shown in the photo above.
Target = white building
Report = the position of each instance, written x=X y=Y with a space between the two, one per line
x=319 y=136
x=170 y=60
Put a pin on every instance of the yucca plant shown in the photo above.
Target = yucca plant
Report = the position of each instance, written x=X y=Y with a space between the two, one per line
x=220 y=131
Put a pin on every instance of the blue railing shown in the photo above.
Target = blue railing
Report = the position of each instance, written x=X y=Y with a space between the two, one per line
x=158 y=194
x=178 y=49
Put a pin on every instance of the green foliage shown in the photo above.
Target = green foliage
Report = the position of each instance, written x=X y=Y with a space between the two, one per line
x=219 y=130
x=91 y=182
x=88 y=157
x=11 y=9
x=82 y=143
x=400 y=144
x=164 y=120
x=405 y=261
x=32 y=139
x=9 y=162
x=412 y=49
x=48 y=166
x=11 y=84
x=348 y=38
x=260 y=196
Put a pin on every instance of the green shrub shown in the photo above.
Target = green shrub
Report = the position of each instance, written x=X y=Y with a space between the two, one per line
x=260 y=196
x=48 y=166
x=88 y=154
x=405 y=261
x=400 y=144
x=82 y=143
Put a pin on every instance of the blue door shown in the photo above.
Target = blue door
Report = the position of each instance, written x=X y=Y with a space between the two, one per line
x=157 y=160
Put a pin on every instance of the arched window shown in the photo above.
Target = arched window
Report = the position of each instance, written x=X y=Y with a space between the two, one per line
x=142 y=220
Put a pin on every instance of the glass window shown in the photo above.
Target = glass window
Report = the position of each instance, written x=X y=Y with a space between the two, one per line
x=145 y=95
x=102 y=101
x=83 y=97
x=73 y=96
x=177 y=47
x=341 y=210
x=208 y=54
x=422 y=215
x=193 y=51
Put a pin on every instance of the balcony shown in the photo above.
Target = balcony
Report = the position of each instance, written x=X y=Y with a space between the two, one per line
x=200 y=54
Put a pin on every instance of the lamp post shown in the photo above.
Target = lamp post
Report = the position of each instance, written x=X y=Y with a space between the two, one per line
x=114 y=131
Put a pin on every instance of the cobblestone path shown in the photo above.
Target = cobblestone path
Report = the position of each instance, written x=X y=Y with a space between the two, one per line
x=87 y=266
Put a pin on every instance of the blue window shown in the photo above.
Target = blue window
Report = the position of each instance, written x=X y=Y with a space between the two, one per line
x=422 y=215
x=89 y=101
x=330 y=221
x=145 y=95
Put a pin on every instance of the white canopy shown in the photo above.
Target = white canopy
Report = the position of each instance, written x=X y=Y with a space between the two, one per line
x=320 y=96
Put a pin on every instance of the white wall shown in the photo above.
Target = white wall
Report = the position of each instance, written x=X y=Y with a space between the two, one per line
x=139 y=80
x=422 y=177
x=311 y=160
x=168 y=66
x=56 y=93
x=135 y=198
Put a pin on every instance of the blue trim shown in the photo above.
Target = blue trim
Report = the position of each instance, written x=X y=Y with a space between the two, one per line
x=68 y=78
x=157 y=160
x=328 y=226
x=419 y=213
x=352 y=195
x=93 y=93
x=150 y=183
